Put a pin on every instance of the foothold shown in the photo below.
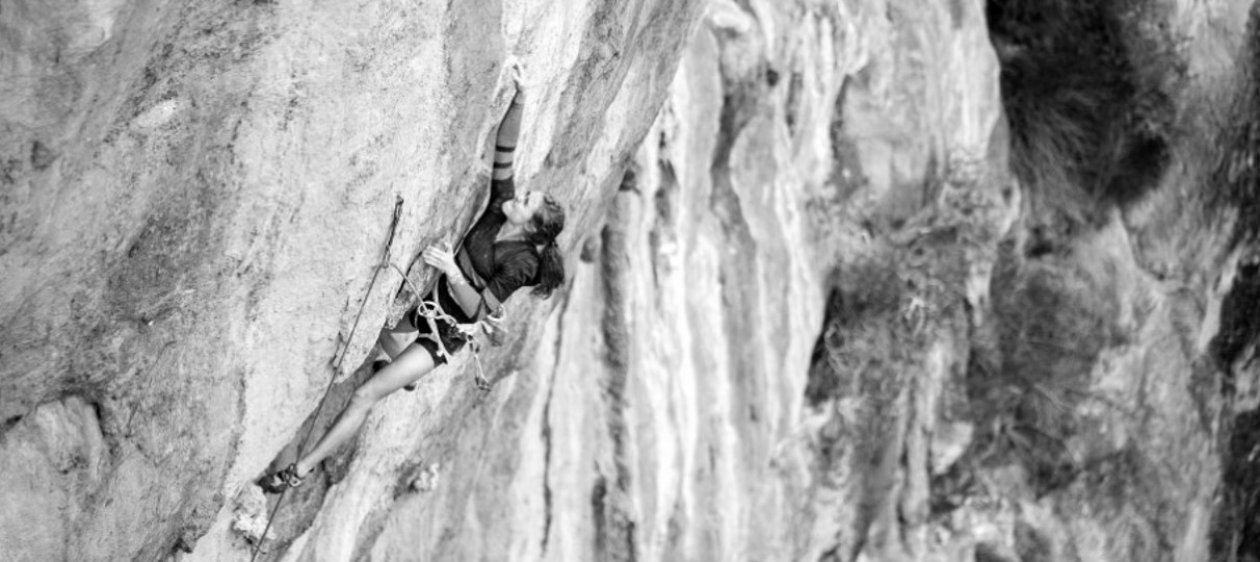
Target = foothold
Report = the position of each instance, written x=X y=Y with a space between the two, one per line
x=628 y=181
x=159 y=114
x=590 y=250
x=9 y=170
x=950 y=441
x=427 y=481
x=41 y=156
x=251 y=514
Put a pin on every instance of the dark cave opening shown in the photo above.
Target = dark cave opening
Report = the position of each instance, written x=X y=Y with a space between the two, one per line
x=1236 y=525
x=1085 y=97
x=1240 y=318
x=1235 y=186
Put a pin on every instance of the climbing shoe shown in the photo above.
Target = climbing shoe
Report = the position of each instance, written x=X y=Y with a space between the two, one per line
x=277 y=482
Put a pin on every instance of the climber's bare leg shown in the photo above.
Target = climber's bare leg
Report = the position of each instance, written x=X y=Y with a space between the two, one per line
x=394 y=341
x=408 y=367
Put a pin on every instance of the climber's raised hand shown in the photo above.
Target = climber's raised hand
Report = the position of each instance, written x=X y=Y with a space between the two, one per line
x=518 y=81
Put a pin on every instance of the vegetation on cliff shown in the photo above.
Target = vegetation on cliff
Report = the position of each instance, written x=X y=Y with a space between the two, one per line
x=1088 y=102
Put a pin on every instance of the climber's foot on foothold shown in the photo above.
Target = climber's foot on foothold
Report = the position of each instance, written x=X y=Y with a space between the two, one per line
x=277 y=482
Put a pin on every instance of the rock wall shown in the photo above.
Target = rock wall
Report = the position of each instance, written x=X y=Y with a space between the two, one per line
x=796 y=137
x=864 y=280
x=1034 y=292
x=1020 y=351
x=196 y=198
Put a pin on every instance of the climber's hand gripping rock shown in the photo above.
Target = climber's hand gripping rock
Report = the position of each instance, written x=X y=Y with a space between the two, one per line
x=439 y=256
x=518 y=81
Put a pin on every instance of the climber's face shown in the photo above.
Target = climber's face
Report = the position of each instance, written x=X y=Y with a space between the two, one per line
x=520 y=209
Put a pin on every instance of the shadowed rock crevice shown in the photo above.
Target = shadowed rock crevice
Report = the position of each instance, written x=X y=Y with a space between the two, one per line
x=1236 y=194
x=1236 y=526
x=858 y=379
x=548 y=438
x=663 y=238
x=1240 y=317
x=610 y=498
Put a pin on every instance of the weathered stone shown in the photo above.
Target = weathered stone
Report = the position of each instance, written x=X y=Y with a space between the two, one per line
x=822 y=305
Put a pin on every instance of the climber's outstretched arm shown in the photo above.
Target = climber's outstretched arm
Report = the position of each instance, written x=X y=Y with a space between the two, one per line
x=505 y=140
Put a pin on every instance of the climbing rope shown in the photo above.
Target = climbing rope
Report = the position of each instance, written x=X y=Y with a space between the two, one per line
x=393 y=227
x=432 y=312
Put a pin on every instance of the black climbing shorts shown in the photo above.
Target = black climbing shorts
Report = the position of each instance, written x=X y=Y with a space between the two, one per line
x=450 y=335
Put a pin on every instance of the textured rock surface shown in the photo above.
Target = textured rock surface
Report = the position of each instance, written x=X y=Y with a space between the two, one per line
x=833 y=302
x=196 y=196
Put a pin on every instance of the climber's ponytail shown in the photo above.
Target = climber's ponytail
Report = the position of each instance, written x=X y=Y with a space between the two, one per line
x=550 y=270
x=546 y=225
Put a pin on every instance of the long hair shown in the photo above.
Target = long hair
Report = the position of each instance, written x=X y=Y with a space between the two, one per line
x=545 y=226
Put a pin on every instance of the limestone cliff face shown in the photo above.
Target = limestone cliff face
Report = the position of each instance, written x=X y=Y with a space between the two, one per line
x=864 y=280
x=196 y=197
x=805 y=147
x=1031 y=224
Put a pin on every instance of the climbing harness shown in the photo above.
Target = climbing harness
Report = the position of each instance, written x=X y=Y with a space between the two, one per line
x=433 y=313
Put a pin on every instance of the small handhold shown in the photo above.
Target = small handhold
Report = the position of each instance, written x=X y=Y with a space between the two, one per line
x=250 y=514
x=772 y=77
x=41 y=156
x=427 y=481
x=159 y=114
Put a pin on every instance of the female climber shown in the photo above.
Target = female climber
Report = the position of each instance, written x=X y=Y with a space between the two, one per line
x=512 y=245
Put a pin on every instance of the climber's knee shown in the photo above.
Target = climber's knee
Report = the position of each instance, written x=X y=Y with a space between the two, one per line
x=413 y=363
x=364 y=398
x=394 y=343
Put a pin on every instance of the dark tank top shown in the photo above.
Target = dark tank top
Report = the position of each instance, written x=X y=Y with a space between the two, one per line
x=505 y=266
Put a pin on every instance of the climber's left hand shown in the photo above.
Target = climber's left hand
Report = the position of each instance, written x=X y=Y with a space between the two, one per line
x=439 y=256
